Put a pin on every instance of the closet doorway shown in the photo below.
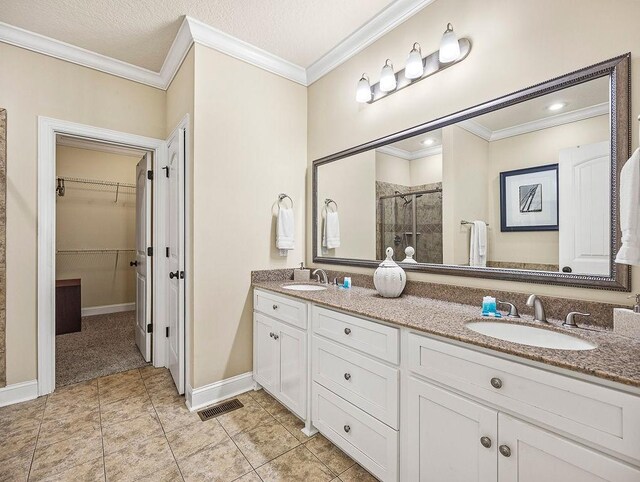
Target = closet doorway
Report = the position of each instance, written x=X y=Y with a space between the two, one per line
x=103 y=279
x=154 y=262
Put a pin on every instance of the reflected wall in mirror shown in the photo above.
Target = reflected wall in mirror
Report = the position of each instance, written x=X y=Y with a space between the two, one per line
x=538 y=171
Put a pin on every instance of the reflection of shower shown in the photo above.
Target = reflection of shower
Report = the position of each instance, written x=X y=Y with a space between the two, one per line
x=403 y=214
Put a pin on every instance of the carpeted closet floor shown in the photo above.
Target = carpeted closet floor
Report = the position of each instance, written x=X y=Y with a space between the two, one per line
x=105 y=345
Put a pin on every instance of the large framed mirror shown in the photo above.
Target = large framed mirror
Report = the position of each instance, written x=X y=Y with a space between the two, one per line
x=539 y=168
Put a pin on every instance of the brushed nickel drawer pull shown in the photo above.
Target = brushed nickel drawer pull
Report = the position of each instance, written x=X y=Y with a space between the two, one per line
x=486 y=442
x=347 y=376
x=496 y=383
x=347 y=331
x=347 y=428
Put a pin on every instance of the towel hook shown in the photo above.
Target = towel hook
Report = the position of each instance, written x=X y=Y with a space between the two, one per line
x=330 y=201
x=282 y=196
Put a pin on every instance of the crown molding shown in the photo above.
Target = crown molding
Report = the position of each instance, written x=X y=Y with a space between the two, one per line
x=176 y=54
x=192 y=30
x=385 y=21
x=211 y=37
x=407 y=155
x=487 y=134
x=64 y=51
x=553 y=121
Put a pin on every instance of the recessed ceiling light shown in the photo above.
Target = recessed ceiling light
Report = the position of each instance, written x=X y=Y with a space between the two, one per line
x=428 y=142
x=556 y=106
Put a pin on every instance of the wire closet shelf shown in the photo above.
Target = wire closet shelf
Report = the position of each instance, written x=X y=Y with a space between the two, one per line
x=107 y=186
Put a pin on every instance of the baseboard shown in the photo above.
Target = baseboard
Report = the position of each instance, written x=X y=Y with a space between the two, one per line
x=198 y=398
x=18 y=392
x=103 y=310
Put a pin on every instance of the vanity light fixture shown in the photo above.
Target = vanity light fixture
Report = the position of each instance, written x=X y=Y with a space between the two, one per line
x=452 y=50
x=557 y=106
x=387 y=77
x=449 y=46
x=414 y=68
x=363 y=91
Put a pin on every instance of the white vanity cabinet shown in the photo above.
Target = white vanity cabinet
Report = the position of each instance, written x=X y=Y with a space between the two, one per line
x=412 y=407
x=465 y=421
x=280 y=349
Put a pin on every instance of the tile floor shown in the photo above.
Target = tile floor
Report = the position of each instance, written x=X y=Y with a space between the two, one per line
x=134 y=426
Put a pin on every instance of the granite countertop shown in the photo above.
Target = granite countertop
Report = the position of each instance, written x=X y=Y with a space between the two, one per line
x=616 y=358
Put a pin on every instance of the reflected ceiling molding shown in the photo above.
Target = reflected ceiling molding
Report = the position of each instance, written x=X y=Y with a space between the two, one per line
x=487 y=134
x=407 y=155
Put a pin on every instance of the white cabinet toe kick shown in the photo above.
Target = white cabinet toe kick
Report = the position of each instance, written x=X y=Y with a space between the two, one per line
x=410 y=407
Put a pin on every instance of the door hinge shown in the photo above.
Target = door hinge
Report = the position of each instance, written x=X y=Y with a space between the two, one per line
x=167 y=332
x=149 y=251
x=150 y=175
x=166 y=171
x=150 y=328
x=167 y=251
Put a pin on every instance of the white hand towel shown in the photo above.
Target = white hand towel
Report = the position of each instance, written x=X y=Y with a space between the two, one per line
x=630 y=211
x=285 y=237
x=478 y=244
x=331 y=234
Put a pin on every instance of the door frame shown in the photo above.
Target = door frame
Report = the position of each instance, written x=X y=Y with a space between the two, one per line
x=48 y=129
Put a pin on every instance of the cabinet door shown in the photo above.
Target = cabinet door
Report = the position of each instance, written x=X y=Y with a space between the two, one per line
x=292 y=382
x=444 y=436
x=265 y=351
x=537 y=455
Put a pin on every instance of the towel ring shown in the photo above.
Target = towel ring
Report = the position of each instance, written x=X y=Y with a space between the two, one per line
x=330 y=201
x=282 y=197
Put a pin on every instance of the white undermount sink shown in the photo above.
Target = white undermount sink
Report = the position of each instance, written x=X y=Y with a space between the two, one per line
x=304 y=287
x=530 y=335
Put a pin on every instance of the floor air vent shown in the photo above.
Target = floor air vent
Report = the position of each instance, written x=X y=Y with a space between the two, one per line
x=220 y=409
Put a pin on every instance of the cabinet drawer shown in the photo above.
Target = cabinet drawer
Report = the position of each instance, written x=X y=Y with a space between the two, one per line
x=368 y=441
x=368 y=384
x=281 y=308
x=579 y=408
x=369 y=337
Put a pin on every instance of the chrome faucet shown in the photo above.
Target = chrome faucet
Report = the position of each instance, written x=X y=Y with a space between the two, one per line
x=324 y=279
x=538 y=309
x=513 y=311
x=570 y=321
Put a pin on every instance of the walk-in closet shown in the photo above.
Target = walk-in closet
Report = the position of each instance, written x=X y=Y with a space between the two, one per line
x=95 y=260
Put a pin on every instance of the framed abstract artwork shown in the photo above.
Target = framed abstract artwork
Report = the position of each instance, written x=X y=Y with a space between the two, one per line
x=529 y=199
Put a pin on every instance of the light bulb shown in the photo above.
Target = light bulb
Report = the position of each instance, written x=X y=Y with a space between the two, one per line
x=449 y=47
x=556 y=106
x=428 y=142
x=363 y=91
x=414 y=68
x=387 y=77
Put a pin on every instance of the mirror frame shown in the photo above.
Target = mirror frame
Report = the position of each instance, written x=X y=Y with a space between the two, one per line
x=618 y=69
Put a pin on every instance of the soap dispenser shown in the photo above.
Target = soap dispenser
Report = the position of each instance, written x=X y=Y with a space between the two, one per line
x=302 y=273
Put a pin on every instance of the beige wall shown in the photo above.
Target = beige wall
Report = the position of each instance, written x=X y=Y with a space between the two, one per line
x=515 y=44
x=464 y=192
x=388 y=169
x=351 y=183
x=426 y=170
x=33 y=85
x=87 y=217
x=249 y=145
x=180 y=102
x=529 y=150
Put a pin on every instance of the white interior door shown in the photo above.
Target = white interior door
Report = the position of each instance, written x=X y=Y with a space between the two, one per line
x=174 y=252
x=143 y=267
x=585 y=218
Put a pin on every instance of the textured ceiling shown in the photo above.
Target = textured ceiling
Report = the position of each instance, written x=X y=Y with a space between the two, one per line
x=140 y=32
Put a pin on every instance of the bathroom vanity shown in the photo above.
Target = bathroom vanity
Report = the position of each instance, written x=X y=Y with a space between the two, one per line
x=397 y=383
